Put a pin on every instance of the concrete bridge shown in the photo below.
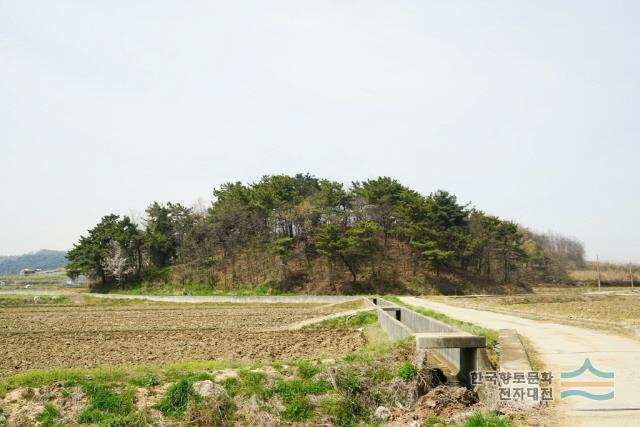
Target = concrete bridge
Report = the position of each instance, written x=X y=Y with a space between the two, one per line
x=461 y=351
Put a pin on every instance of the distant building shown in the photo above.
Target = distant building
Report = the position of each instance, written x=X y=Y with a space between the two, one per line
x=28 y=271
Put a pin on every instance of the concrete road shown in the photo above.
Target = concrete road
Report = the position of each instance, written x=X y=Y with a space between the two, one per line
x=564 y=348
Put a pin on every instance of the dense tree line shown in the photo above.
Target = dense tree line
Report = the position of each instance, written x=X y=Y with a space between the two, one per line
x=301 y=231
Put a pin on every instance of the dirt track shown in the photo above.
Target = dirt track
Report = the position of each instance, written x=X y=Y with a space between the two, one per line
x=47 y=337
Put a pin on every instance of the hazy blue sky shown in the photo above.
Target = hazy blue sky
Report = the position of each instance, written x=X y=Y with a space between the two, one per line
x=527 y=109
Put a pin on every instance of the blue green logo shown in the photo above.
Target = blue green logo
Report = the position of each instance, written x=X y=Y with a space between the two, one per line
x=574 y=383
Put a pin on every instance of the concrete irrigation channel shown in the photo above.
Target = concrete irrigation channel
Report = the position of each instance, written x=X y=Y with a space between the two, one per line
x=461 y=351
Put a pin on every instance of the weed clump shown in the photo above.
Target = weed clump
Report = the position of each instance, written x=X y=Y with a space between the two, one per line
x=407 y=371
x=485 y=420
x=181 y=400
x=108 y=407
x=308 y=370
x=353 y=321
x=48 y=416
x=176 y=398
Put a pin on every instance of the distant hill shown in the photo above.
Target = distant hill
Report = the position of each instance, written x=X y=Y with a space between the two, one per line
x=43 y=259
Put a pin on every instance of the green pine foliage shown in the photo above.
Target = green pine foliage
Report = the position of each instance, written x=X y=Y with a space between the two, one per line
x=292 y=232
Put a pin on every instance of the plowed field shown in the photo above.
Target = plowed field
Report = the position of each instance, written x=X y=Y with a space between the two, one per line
x=49 y=337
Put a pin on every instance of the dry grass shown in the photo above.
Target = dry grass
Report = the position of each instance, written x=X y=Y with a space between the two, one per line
x=532 y=354
x=608 y=273
x=619 y=309
x=613 y=308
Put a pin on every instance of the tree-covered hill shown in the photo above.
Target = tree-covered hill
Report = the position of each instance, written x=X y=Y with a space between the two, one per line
x=43 y=259
x=300 y=233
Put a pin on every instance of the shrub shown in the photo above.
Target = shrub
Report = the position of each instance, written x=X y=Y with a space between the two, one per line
x=407 y=371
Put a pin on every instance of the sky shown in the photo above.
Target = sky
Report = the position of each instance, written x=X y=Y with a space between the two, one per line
x=526 y=109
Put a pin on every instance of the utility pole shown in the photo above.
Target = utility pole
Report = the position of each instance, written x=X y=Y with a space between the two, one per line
x=598 y=268
x=631 y=275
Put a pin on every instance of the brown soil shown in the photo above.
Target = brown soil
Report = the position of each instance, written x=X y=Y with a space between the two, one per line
x=92 y=336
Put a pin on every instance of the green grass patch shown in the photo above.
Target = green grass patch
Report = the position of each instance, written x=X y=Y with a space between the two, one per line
x=175 y=400
x=345 y=411
x=407 y=371
x=148 y=379
x=24 y=299
x=378 y=344
x=108 y=407
x=186 y=368
x=141 y=376
x=293 y=394
x=299 y=409
x=39 y=378
x=307 y=369
x=250 y=383
x=91 y=300
x=485 y=420
x=353 y=321
x=48 y=416
x=290 y=390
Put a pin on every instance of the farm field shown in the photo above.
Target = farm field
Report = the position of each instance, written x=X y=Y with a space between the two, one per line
x=64 y=336
x=42 y=280
x=105 y=362
x=614 y=307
